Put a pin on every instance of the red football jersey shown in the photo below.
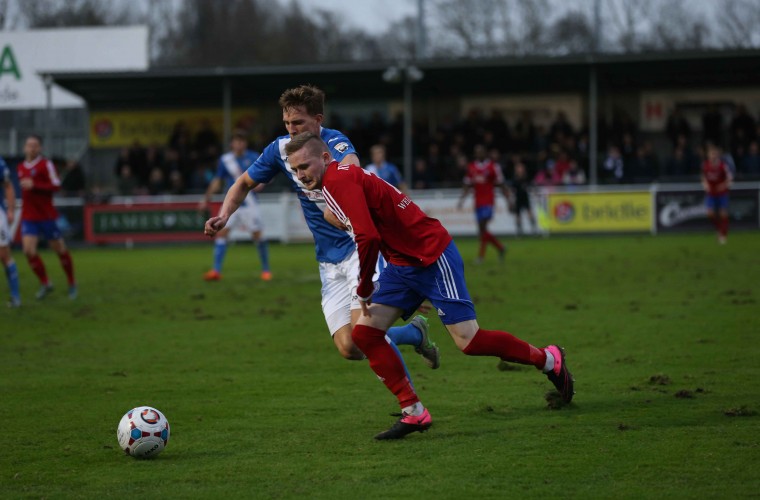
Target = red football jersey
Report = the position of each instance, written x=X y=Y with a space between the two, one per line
x=382 y=218
x=483 y=176
x=37 y=203
x=715 y=175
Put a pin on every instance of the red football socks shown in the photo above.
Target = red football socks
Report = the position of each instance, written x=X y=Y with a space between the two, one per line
x=38 y=267
x=723 y=229
x=385 y=363
x=68 y=266
x=505 y=346
x=490 y=238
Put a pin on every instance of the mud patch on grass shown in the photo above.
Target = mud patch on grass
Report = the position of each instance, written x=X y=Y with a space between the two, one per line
x=554 y=401
x=740 y=411
x=659 y=379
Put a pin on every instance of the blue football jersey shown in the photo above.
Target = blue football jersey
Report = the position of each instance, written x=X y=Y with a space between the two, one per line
x=387 y=172
x=332 y=244
x=5 y=176
x=231 y=167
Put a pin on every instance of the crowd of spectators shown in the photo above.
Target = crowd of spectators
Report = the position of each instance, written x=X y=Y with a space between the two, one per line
x=554 y=154
x=738 y=137
x=185 y=164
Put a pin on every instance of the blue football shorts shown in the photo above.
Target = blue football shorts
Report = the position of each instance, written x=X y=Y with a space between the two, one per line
x=48 y=228
x=716 y=202
x=442 y=283
x=484 y=213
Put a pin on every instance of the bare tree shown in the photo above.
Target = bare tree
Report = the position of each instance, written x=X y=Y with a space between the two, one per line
x=7 y=19
x=572 y=34
x=534 y=17
x=69 y=13
x=625 y=23
x=739 y=21
x=469 y=26
x=676 y=25
x=488 y=28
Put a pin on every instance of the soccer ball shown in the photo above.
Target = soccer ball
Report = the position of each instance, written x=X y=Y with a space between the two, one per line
x=143 y=432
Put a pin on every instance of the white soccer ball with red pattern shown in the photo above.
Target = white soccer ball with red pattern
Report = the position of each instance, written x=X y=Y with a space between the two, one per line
x=143 y=432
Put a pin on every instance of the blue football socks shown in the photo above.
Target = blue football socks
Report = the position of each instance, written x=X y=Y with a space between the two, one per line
x=220 y=250
x=401 y=358
x=11 y=273
x=405 y=335
x=263 y=247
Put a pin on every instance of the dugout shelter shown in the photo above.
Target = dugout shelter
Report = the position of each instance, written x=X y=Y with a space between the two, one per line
x=644 y=84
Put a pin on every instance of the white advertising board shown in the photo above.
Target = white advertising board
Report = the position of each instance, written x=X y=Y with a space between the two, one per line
x=26 y=54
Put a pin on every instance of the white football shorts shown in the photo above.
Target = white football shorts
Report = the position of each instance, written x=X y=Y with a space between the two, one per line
x=5 y=231
x=339 y=297
x=246 y=218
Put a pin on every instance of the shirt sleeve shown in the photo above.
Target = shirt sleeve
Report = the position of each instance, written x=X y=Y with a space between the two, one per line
x=50 y=182
x=346 y=199
x=340 y=147
x=221 y=170
x=265 y=167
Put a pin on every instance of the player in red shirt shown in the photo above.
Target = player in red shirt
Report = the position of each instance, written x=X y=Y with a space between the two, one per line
x=716 y=179
x=483 y=175
x=39 y=180
x=423 y=262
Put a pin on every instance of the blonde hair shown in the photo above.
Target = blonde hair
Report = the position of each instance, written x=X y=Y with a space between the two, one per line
x=302 y=140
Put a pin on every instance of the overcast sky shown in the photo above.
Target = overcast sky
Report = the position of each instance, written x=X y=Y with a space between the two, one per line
x=373 y=16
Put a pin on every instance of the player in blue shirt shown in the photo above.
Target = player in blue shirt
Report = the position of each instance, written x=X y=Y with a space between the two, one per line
x=7 y=208
x=231 y=166
x=302 y=111
x=390 y=174
x=386 y=171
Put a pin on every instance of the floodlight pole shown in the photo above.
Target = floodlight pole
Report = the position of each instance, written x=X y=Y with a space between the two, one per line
x=226 y=112
x=406 y=75
x=407 y=130
x=593 y=133
x=593 y=96
x=48 y=81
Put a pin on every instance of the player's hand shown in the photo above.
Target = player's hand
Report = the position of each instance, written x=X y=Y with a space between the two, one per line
x=365 y=307
x=214 y=225
x=26 y=183
x=332 y=219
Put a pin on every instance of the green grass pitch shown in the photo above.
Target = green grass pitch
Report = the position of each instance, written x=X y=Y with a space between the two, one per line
x=661 y=334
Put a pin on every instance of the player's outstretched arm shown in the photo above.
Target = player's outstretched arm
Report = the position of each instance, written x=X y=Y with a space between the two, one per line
x=235 y=196
x=213 y=187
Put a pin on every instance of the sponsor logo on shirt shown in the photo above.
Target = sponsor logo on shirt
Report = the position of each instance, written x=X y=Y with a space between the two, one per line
x=313 y=195
x=404 y=203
